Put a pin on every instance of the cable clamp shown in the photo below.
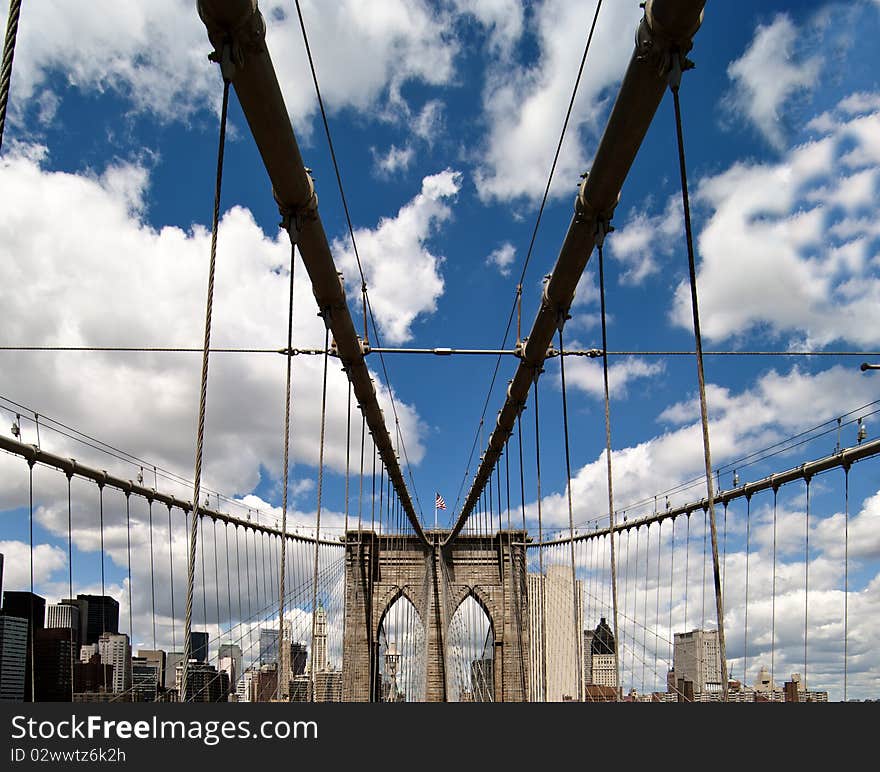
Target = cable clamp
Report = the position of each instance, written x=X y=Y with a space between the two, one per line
x=294 y=218
x=245 y=36
x=603 y=228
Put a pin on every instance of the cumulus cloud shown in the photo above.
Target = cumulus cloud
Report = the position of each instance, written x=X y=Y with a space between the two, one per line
x=97 y=275
x=776 y=406
x=788 y=247
x=47 y=560
x=502 y=258
x=644 y=238
x=586 y=375
x=525 y=104
x=501 y=19
x=767 y=75
x=402 y=274
x=394 y=160
x=155 y=54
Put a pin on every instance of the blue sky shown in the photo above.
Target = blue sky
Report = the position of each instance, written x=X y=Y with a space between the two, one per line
x=445 y=117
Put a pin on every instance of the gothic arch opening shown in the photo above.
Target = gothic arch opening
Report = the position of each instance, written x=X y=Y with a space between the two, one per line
x=470 y=653
x=401 y=653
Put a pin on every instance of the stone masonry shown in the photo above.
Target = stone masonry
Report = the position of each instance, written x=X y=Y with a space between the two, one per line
x=436 y=580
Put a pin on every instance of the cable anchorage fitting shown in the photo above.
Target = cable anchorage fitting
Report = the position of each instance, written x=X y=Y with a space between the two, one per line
x=293 y=218
x=603 y=228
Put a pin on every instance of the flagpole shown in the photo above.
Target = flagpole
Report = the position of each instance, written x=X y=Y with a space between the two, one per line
x=435 y=511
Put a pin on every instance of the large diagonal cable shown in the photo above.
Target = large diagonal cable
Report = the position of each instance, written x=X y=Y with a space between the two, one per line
x=203 y=392
x=675 y=83
x=8 y=56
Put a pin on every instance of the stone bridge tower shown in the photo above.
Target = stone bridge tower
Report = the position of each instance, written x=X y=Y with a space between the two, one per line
x=436 y=580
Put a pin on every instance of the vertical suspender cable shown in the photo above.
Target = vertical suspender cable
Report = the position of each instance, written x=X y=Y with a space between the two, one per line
x=773 y=601
x=645 y=611
x=578 y=636
x=217 y=596
x=746 y=606
x=8 y=56
x=128 y=544
x=671 y=585
x=70 y=579
x=543 y=596
x=675 y=82
x=171 y=571
x=806 y=576
x=845 y=574
x=285 y=470
x=318 y=507
x=31 y=625
x=203 y=392
x=152 y=574
x=600 y=249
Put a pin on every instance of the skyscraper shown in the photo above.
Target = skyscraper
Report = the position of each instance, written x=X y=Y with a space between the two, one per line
x=319 y=655
x=13 y=654
x=555 y=636
x=298 y=658
x=696 y=657
x=115 y=650
x=32 y=608
x=145 y=677
x=97 y=614
x=54 y=656
x=155 y=657
x=63 y=615
x=268 y=646
x=198 y=646
x=230 y=661
x=602 y=665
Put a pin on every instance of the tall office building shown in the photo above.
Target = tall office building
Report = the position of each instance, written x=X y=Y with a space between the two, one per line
x=603 y=669
x=319 y=655
x=115 y=650
x=32 y=608
x=145 y=677
x=555 y=635
x=696 y=657
x=230 y=661
x=54 y=657
x=63 y=615
x=203 y=683
x=172 y=660
x=156 y=658
x=268 y=646
x=97 y=614
x=13 y=654
x=198 y=645
x=298 y=658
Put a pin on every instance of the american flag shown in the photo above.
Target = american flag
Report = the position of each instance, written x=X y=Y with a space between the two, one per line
x=440 y=503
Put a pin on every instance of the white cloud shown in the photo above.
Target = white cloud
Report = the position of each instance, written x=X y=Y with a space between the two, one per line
x=526 y=106
x=396 y=159
x=98 y=275
x=787 y=246
x=402 y=274
x=502 y=258
x=586 y=375
x=502 y=19
x=644 y=237
x=47 y=559
x=768 y=74
x=155 y=54
x=778 y=405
